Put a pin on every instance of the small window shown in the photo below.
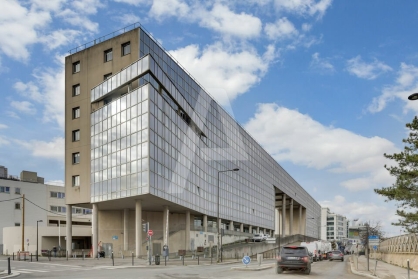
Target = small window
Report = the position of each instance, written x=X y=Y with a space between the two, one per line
x=54 y=194
x=76 y=158
x=76 y=180
x=17 y=205
x=106 y=76
x=108 y=55
x=76 y=90
x=76 y=112
x=76 y=135
x=4 y=189
x=126 y=48
x=76 y=67
x=17 y=224
x=17 y=190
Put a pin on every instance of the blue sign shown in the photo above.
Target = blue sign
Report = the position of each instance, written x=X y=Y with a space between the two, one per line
x=374 y=247
x=373 y=237
x=246 y=260
x=115 y=237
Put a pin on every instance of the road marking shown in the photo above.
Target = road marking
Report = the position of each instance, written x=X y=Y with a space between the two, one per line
x=32 y=270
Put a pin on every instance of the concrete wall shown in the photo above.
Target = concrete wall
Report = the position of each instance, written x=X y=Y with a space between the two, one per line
x=398 y=259
x=48 y=237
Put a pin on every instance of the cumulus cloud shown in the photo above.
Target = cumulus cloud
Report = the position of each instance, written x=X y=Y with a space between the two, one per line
x=23 y=107
x=291 y=136
x=321 y=64
x=167 y=8
x=50 y=150
x=3 y=126
x=303 y=7
x=405 y=83
x=282 y=28
x=357 y=67
x=230 y=70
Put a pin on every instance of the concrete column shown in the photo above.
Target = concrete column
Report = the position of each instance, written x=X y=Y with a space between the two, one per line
x=166 y=225
x=276 y=219
x=126 y=229
x=69 y=229
x=95 y=226
x=241 y=227
x=187 y=236
x=258 y=229
x=300 y=220
x=284 y=215
x=231 y=225
x=250 y=229
x=205 y=223
x=138 y=228
x=291 y=217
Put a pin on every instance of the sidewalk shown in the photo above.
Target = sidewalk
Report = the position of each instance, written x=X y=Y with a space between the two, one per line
x=383 y=270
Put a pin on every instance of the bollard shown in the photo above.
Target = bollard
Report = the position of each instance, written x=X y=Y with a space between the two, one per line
x=165 y=261
x=9 y=270
x=132 y=258
x=182 y=258
x=49 y=255
x=211 y=258
x=13 y=255
x=197 y=259
x=67 y=254
x=31 y=257
x=407 y=264
x=82 y=253
x=113 y=260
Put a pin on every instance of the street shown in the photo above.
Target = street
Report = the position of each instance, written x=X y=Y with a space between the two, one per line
x=101 y=269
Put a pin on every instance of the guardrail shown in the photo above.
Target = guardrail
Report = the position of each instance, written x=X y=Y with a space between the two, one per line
x=403 y=244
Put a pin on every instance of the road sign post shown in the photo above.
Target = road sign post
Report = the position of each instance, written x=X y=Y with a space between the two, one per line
x=246 y=260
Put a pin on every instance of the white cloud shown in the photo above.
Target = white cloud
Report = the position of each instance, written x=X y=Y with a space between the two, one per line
x=405 y=84
x=3 y=141
x=357 y=67
x=282 y=28
x=291 y=136
x=50 y=150
x=216 y=67
x=19 y=28
x=225 y=21
x=3 y=126
x=303 y=7
x=78 y=19
x=12 y=114
x=127 y=19
x=321 y=64
x=24 y=107
x=167 y=8
x=59 y=37
x=51 y=83
x=133 y=2
x=55 y=182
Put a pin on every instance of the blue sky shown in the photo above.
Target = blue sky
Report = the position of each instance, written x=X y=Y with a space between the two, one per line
x=321 y=85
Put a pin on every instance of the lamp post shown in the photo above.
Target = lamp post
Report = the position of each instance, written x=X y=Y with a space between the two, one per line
x=37 y=222
x=217 y=221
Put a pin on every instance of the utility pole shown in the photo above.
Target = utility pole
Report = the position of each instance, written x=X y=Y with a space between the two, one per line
x=23 y=222
x=367 y=246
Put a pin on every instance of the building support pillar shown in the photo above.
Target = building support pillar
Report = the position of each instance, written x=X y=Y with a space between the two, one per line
x=300 y=220
x=126 y=229
x=69 y=229
x=95 y=226
x=138 y=228
x=205 y=223
x=231 y=225
x=277 y=219
x=166 y=225
x=284 y=215
x=187 y=230
x=250 y=229
x=291 y=217
x=241 y=227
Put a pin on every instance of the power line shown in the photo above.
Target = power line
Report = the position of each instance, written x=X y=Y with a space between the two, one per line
x=10 y=200
x=45 y=209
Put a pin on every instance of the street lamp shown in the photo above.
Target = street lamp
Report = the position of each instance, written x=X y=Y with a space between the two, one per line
x=217 y=221
x=37 y=222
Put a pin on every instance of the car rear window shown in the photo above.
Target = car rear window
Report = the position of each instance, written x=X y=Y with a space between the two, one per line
x=294 y=250
x=336 y=252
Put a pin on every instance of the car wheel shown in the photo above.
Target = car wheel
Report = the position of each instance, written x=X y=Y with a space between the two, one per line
x=279 y=270
x=342 y=259
x=308 y=271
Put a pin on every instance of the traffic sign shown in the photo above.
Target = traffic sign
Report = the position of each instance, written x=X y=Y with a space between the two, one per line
x=150 y=232
x=375 y=247
x=246 y=260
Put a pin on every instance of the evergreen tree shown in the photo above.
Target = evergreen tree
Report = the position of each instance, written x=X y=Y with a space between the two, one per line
x=405 y=190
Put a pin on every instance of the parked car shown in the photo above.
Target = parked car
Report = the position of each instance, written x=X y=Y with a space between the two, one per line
x=293 y=258
x=259 y=237
x=336 y=255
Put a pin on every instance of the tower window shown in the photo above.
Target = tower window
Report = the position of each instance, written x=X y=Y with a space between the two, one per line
x=76 y=67
x=108 y=55
x=126 y=48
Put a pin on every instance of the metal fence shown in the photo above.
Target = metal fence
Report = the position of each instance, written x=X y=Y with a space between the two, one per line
x=403 y=244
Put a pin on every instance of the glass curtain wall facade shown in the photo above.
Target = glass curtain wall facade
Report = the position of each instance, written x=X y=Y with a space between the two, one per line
x=169 y=138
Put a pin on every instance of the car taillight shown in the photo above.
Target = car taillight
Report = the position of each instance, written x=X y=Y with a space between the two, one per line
x=341 y=255
x=305 y=259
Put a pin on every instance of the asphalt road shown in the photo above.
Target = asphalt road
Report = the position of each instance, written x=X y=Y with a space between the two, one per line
x=323 y=270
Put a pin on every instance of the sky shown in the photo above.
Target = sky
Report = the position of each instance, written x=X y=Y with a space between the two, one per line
x=322 y=85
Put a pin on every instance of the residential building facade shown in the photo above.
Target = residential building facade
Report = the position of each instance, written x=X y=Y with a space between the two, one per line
x=336 y=226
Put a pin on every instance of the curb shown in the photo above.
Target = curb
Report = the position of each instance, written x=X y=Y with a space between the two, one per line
x=14 y=274
x=360 y=273
x=252 y=268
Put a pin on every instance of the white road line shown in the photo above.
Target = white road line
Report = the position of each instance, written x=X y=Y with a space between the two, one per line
x=55 y=264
